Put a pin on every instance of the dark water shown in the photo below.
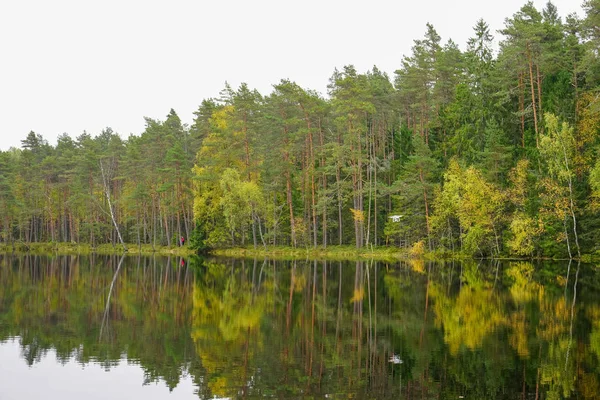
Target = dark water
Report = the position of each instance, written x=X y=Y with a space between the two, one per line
x=104 y=327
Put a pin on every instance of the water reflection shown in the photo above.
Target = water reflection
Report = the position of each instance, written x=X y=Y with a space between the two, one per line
x=256 y=328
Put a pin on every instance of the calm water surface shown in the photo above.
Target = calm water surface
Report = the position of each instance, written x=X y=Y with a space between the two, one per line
x=153 y=328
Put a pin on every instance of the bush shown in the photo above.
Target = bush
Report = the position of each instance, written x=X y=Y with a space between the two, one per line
x=197 y=240
x=417 y=250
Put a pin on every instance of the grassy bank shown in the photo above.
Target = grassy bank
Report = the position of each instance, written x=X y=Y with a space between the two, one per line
x=352 y=253
x=331 y=253
x=75 y=248
x=277 y=253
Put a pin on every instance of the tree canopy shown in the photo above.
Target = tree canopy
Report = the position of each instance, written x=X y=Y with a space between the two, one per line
x=487 y=152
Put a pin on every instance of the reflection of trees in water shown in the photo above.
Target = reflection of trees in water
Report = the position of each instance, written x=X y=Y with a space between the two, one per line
x=59 y=303
x=540 y=322
x=249 y=328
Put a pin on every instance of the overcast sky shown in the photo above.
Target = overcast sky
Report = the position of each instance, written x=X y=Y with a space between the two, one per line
x=73 y=65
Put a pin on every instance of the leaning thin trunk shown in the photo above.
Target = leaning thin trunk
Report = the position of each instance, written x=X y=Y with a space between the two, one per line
x=112 y=284
x=262 y=238
x=105 y=180
x=533 y=106
x=567 y=239
x=571 y=202
x=572 y=210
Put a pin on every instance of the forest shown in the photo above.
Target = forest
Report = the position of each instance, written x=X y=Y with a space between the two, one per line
x=487 y=151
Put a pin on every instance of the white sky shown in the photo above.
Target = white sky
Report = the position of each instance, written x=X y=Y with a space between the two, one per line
x=73 y=65
x=48 y=379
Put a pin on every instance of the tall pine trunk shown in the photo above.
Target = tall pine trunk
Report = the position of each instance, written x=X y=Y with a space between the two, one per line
x=533 y=102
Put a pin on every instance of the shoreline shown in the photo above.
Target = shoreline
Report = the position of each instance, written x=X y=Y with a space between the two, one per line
x=280 y=252
x=103 y=249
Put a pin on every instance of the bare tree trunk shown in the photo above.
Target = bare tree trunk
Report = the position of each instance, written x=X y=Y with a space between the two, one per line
x=533 y=104
x=421 y=178
x=522 y=108
x=375 y=206
x=106 y=176
x=571 y=204
x=288 y=185
x=575 y=85
x=312 y=177
x=357 y=185
x=254 y=239
x=339 y=198
x=539 y=89
x=154 y=223
x=262 y=238
x=371 y=147
x=324 y=187
x=186 y=221
x=167 y=234
x=567 y=238
x=112 y=284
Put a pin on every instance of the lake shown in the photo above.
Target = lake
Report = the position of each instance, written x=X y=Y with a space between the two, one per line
x=139 y=327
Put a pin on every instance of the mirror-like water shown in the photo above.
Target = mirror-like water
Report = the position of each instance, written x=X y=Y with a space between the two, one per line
x=153 y=327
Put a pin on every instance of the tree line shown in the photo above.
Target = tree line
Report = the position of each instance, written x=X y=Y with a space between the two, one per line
x=482 y=151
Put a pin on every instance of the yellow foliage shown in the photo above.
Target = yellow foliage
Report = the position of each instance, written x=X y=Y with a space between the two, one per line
x=358 y=215
x=220 y=118
x=525 y=230
x=561 y=280
x=593 y=313
x=468 y=319
x=518 y=337
x=519 y=184
x=590 y=389
x=555 y=318
x=524 y=289
x=299 y=283
x=418 y=249
x=218 y=386
x=417 y=265
x=358 y=295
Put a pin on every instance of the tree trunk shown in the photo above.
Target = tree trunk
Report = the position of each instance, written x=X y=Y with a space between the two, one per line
x=254 y=239
x=371 y=147
x=522 y=108
x=246 y=145
x=539 y=89
x=575 y=85
x=533 y=103
x=422 y=179
x=375 y=206
x=359 y=194
x=338 y=182
x=105 y=180
x=324 y=188
x=339 y=198
x=572 y=205
x=288 y=185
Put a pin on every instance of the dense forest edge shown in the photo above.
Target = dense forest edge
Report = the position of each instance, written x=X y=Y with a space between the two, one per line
x=478 y=153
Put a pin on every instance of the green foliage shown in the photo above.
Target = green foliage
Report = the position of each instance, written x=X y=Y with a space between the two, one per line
x=476 y=204
x=482 y=153
x=525 y=231
x=197 y=240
